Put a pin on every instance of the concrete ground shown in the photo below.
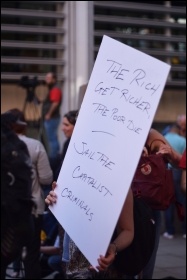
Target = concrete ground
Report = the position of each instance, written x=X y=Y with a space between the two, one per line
x=170 y=262
x=171 y=258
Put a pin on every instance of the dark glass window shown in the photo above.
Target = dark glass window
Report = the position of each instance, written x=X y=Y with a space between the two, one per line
x=33 y=5
x=37 y=53
x=23 y=20
x=26 y=68
x=144 y=31
x=28 y=37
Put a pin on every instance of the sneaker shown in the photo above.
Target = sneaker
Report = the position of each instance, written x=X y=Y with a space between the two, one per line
x=24 y=253
x=14 y=274
x=167 y=235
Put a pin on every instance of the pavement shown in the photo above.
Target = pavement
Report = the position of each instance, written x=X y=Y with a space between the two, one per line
x=171 y=258
x=170 y=261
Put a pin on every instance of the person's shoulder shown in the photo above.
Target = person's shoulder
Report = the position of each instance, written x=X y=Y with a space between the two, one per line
x=56 y=88
x=153 y=130
x=153 y=133
x=179 y=138
x=31 y=141
x=28 y=139
x=183 y=139
x=37 y=143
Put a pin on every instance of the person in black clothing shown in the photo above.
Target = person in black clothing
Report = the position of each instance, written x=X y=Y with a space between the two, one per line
x=16 y=192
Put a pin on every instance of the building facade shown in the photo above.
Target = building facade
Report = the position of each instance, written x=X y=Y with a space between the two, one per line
x=64 y=37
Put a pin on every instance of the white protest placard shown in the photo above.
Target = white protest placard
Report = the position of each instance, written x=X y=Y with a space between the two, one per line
x=121 y=99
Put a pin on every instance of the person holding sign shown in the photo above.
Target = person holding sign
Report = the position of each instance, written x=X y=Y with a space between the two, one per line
x=173 y=158
x=123 y=240
x=79 y=267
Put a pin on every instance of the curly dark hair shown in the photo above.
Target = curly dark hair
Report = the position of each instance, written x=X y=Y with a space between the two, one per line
x=72 y=116
x=16 y=120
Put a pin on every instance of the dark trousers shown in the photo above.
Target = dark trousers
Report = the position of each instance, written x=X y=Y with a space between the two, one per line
x=17 y=264
x=32 y=260
x=149 y=268
x=13 y=238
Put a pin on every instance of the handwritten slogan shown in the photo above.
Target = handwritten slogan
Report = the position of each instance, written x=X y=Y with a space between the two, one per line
x=116 y=115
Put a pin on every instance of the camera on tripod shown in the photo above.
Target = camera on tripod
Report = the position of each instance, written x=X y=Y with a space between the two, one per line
x=32 y=105
x=29 y=85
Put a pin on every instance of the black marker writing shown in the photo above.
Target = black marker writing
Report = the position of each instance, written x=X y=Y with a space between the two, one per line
x=150 y=87
x=101 y=90
x=116 y=117
x=140 y=104
x=98 y=156
x=105 y=90
x=124 y=92
x=140 y=74
x=66 y=193
x=105 y=132
x=85 y=152
x=105 y=161
x=101 y=109
x=90 y=181
x=132 y=127
x=117 y=69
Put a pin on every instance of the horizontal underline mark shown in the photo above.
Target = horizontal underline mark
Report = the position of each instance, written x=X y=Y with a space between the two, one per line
x=104 y=132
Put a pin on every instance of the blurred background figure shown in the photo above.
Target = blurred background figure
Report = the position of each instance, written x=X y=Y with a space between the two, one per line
x=51 y=115
x=51 y=259
x=68 y=124
x=182 y=165
x=42 y=175
x=178 y=143
x=181 y=122
x=16 y=192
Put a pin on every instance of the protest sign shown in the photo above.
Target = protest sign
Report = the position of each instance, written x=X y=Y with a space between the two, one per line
x=121 y=99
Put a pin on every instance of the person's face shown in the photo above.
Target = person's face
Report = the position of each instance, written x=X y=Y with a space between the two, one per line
x=183 y=128
x=67 y=127
x=182 y=123
x=49 y=79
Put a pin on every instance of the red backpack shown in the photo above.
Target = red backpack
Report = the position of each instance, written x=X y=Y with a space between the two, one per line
x=153 y=182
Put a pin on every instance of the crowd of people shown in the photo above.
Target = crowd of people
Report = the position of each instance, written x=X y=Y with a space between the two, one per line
x=59 y=253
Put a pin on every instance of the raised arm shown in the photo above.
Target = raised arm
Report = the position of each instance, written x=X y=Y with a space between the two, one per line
x=172 y=156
